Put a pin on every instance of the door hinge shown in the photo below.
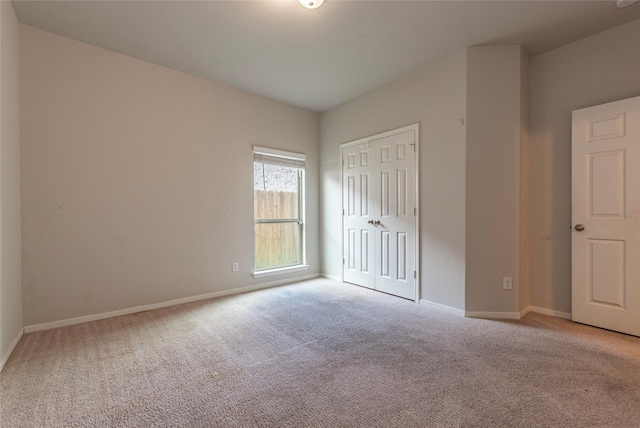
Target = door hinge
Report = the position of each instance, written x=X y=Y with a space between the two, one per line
x=342 y=212
x=414 y=211
x=342 y=261
x=414 y=275
x=342 y=161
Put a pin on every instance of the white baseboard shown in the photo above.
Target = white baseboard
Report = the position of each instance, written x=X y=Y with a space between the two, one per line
x=13 y=345
x=331 y=277
x=493 y=315
x=451 y=309
x=498 y=315
x=105 y=315
x=471 y=314
x=550 y=312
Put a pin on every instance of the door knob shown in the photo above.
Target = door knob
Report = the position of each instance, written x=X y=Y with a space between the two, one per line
x=579 y=227
x=370 y=222
x=377 y=222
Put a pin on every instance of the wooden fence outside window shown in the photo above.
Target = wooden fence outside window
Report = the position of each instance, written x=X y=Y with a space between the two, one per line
x=276 y=244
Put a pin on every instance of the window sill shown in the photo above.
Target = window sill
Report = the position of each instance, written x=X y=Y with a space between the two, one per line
x=280 y=271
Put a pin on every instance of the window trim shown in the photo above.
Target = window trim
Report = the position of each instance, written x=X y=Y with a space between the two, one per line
x=280 y=270
x=297 y=161
x=257 y=150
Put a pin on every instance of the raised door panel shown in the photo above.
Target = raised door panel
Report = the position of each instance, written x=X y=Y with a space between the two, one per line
x=606 y=272
x=606 y=184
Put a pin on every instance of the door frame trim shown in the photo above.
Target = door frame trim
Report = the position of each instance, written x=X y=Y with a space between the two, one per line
x=416 y=134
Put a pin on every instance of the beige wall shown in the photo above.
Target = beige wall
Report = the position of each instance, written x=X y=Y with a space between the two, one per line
x=435 y=98
x=137 y=179
x=10 y=258
x=494 y=92
x=596 y=70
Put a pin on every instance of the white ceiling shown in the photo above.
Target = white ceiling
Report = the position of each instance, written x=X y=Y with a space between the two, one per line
x=320 y=58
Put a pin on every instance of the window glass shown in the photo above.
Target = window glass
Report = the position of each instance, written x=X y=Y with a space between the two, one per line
x=278 y=222
x=277 y=245
x=275 y=191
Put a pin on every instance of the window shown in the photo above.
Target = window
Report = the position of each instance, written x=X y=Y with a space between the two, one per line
x=278 y=195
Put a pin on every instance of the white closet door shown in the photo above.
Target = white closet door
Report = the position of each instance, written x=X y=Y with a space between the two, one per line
x=394 y=169
x=379 y=213
x=357 y=227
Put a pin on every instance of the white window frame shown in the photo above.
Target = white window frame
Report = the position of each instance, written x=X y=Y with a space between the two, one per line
x=298 y=159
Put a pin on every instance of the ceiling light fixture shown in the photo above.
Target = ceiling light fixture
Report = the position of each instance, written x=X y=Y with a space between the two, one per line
x=311 y=4
x=624 y=3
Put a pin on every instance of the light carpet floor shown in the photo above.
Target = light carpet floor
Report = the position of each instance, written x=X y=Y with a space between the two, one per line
x=321 y=354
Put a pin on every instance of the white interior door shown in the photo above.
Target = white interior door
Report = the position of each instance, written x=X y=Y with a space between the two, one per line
x=379 y=213
x=606 y=216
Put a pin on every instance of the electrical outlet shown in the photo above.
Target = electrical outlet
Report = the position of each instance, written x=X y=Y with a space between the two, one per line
x=507 y=283
x=235 y=266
